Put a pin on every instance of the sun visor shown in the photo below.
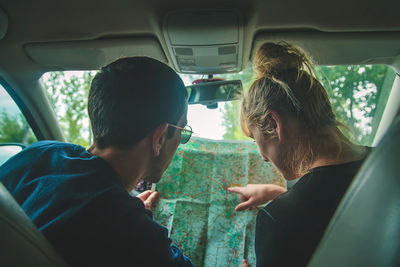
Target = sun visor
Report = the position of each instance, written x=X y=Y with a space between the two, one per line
x=340 y=48
x=205 y=42
x=91 y=55
x=3 y=23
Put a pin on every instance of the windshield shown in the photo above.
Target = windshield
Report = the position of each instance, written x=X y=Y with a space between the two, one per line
x=358 y=95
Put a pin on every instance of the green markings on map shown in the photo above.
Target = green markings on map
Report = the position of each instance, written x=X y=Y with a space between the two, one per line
x=198 y=210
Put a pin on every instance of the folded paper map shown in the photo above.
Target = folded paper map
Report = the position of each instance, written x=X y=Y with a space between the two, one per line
x=198 y=210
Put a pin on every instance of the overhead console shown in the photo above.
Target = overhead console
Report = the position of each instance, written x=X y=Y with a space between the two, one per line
x=205 y=42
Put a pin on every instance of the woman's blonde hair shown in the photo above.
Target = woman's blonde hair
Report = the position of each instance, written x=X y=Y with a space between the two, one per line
x=286 y=83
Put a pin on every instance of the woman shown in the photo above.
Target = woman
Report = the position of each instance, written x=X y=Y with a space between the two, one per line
x=288 y=113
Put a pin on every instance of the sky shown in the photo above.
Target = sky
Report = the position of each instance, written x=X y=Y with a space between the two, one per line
x=206 y=123
x=7 y=103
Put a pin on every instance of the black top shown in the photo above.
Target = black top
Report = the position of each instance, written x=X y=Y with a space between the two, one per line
x=290 y=227
x=79 y=203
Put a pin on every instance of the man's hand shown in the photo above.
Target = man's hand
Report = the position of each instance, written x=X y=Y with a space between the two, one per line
x=148 y=198
x=253 y=195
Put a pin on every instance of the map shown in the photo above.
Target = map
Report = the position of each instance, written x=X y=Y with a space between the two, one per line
x=198 y=210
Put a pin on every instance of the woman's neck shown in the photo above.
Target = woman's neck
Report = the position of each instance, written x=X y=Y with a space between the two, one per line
x=348 y=153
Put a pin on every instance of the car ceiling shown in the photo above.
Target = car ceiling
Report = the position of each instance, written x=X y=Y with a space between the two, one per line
x=45 y=21
x=339 y=32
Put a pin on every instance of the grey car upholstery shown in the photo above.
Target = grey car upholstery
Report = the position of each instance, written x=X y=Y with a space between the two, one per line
x=21 y=244
x=365 y=230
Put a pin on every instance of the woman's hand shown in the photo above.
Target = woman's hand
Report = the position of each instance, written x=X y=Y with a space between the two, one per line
x=253 y=195
x=148 y=198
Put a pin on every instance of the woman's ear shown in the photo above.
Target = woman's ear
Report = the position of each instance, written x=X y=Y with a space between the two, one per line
x=159 y=136
x=276 y=124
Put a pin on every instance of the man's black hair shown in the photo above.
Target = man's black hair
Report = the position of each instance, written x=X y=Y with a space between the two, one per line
x=131 y=97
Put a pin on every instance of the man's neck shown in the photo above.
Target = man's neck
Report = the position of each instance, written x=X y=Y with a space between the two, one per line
x=129 y=164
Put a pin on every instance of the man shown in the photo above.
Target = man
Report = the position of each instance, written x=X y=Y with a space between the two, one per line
x=80 y=199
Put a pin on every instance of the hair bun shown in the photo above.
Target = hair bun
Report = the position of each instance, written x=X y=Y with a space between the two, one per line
x=272 y=59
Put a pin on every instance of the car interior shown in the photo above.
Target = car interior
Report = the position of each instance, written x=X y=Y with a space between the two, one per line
x=207 y=39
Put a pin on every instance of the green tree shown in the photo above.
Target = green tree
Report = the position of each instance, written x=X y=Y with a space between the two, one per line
x=231 y=118
x=358 y=95
x=68 y=94
x=15 y=129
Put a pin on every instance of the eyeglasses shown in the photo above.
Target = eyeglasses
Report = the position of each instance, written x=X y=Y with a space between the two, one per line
x=186 y=133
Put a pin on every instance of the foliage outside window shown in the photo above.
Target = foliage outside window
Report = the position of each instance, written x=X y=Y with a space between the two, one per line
x=13 y=126
x=68 y=92
x=358 y=95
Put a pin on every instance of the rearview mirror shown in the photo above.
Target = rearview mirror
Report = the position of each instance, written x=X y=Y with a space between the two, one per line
x=210 y=93
x=9 y=150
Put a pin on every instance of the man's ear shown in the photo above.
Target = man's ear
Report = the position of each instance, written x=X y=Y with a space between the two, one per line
x=276 y=124
x=159 y=137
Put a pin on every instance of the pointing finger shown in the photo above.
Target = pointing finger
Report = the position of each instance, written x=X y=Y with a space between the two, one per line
x=244 y=205
x=236 y=189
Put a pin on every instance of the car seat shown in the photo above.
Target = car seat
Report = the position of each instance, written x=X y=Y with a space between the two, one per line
x=21 y=243
x=365 y=229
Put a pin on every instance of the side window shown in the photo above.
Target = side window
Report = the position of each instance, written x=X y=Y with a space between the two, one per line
x=358 y=94
x=68 y=93
x=13 y=126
